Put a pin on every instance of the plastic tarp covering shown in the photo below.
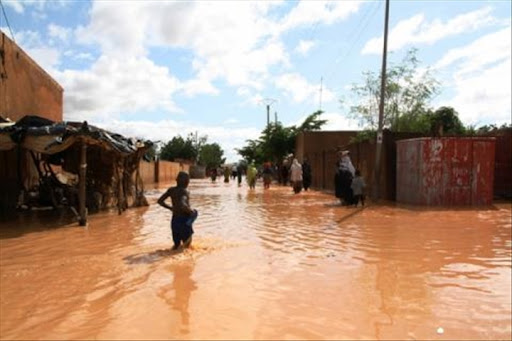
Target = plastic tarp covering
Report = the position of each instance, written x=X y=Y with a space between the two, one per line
x=44 y=136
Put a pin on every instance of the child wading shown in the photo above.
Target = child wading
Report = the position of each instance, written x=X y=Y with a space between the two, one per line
x=183 y=215
x=358 y=186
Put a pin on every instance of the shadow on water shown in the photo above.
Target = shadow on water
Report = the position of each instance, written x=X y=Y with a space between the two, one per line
x=152 y=257
x=35 y=221
x=351 y=214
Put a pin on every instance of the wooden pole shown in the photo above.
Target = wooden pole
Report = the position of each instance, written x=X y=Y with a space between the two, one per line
x=120 y=191
x=268 y=115
x=378 y=151
x=81 y=188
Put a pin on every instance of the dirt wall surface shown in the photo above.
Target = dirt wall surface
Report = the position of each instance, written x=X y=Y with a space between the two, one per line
x=161 y=171
x=25 y=88
x=264 y=264
x=147 y=172
x=168 y=171
x=320 y=148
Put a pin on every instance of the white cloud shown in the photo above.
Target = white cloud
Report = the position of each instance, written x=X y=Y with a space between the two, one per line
x=483 y=51
x=32 y=43
x=417 y=30
x=47 y=58
x=20 y=5
x=59 y=32
x=338 y=121
x=300 y=90
x=231 y=121
x=326 y=12
x=230 y=40
x=16 y=5
x=227 y=138
x=199 y=86
x=117 y=86
x=481 y=78
x=304 y=46
x=335 y=121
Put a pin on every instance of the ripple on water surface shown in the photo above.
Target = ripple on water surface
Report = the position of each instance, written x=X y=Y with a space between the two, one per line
x=264 y=264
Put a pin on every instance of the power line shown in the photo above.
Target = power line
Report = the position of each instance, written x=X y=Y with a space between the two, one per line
x=364 y=24
x=356 y=32
x=7 y=20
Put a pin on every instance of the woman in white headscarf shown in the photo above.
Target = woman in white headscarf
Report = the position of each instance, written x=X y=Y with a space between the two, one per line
x=296 y=176
x=343 y=180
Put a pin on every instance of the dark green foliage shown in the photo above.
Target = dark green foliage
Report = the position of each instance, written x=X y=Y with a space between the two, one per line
x=277 y=141
x=445 y=121
x=178 y=148
x=487 y=129
x=210 y=155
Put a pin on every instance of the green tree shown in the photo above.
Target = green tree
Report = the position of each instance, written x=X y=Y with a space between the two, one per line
x=179 y=148
x=277 y=141
x=445 y=120
x=211 y=155
x=312 y=122
x=406 y=98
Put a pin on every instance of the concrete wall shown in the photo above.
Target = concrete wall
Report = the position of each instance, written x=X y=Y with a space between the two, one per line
x=25 y=88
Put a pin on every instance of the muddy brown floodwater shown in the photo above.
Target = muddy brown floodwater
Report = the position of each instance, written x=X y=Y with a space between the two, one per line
x=264 y=265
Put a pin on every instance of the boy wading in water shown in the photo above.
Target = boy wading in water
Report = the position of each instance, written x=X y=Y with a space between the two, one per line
x=183 y=216
x=358 y=186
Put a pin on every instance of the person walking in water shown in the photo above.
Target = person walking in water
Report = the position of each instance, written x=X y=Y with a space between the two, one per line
x=239 y=170
x=183 y=216
x=358 y=186
x=267 y=175
x=306 y=174
x=296 y=176
x=343 y=179
x=252 y=172
x=226 y=174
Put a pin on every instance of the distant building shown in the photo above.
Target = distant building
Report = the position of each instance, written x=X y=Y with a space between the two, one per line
x=25 y=88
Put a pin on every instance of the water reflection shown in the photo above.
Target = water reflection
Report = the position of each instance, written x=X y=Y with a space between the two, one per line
x=177 y=294
x=264 y=264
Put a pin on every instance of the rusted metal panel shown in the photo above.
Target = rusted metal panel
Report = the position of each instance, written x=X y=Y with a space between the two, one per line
x=445 y=171
x=483 y=173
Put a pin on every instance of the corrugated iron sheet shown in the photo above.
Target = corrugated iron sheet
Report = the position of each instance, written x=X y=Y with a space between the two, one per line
x=449 y=171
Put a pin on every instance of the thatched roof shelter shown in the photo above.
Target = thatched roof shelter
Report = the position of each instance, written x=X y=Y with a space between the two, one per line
x=109 y=162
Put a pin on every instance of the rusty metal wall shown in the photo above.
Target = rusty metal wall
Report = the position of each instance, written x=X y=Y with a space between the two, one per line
x=503 y=164
x=451 y=171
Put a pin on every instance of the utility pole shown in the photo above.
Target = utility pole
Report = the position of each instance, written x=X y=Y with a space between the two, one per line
x=268 y=102
x=275 y=117
x=378 y=151
x=321 y=86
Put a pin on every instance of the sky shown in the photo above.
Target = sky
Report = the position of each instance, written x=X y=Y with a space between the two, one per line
x=158 y=69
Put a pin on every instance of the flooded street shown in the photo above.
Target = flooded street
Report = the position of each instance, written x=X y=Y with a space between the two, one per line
x=263 y=265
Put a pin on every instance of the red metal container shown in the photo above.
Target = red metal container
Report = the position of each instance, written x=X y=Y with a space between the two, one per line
x=446 y=171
